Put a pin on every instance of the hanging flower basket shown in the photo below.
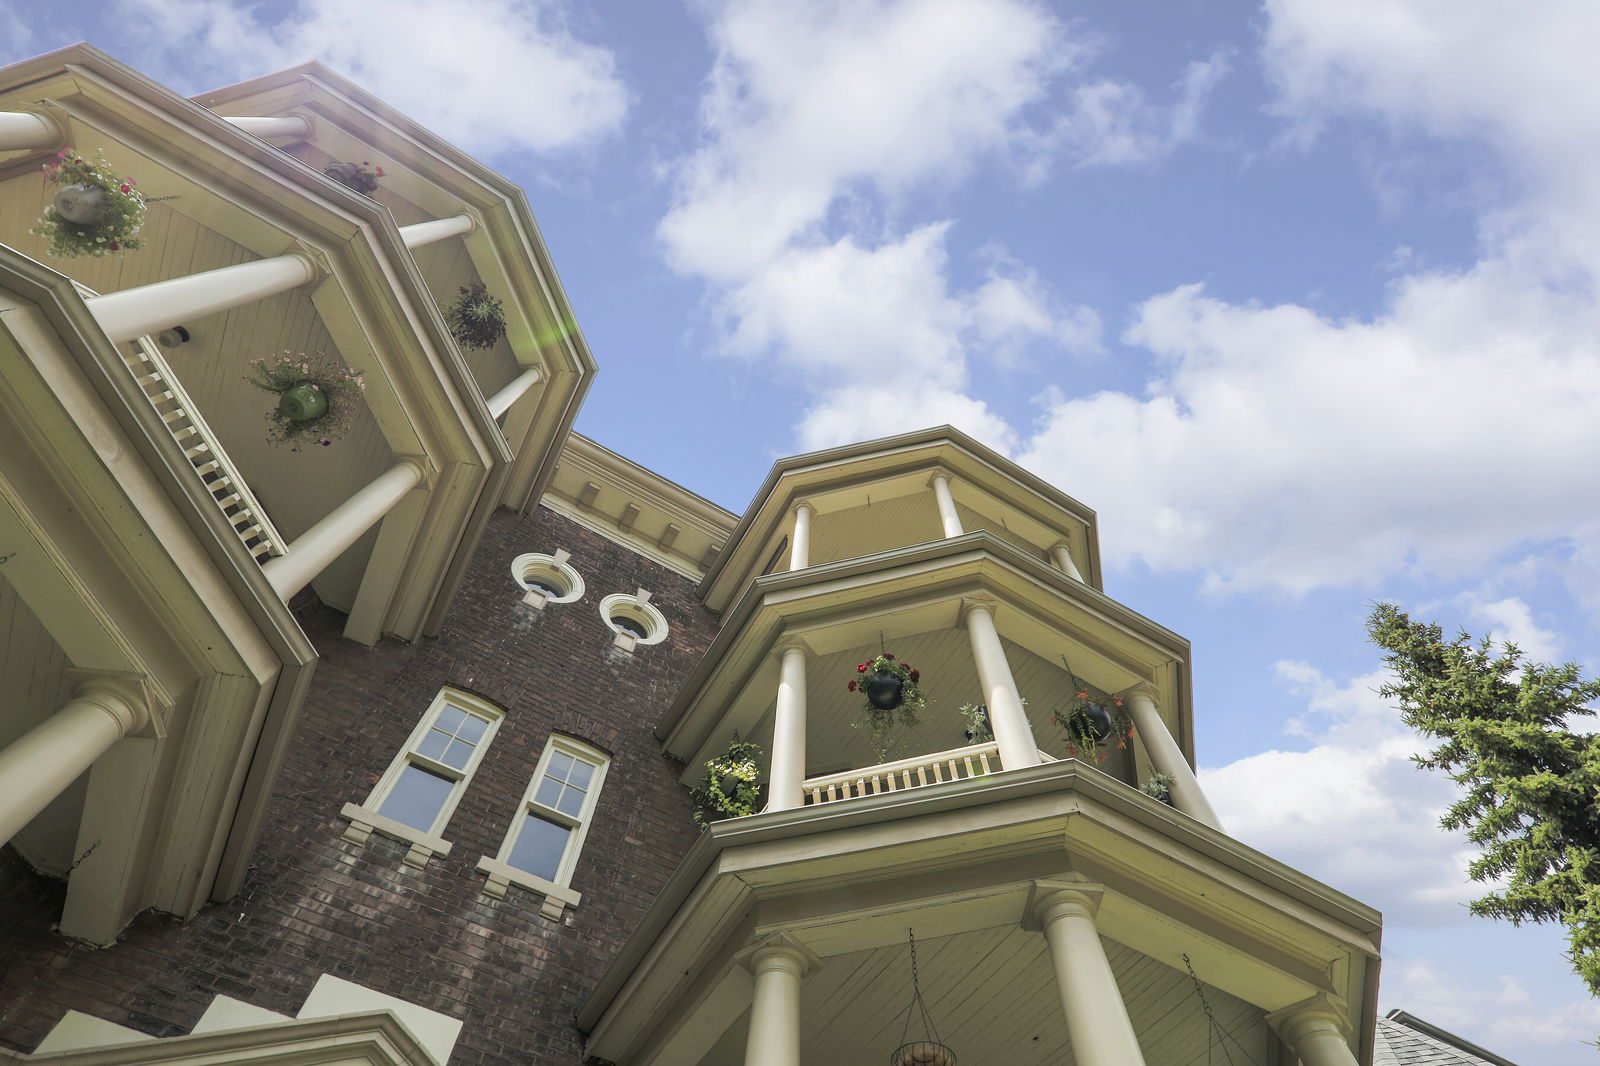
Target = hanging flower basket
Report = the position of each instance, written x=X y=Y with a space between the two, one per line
x=729 y=789
x=362 y=177
x=979 y=730
x=476 y=319
x=1091 y=722
x=316 y=397
x=922 y=1053
x=889 y=686
x=94 y=213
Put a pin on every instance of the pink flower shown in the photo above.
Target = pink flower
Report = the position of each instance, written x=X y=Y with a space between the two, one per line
x=123 y=187
x=114 y=246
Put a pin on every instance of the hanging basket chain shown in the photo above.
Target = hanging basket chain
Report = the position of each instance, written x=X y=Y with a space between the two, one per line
x=917 y=1004
x=1215 y=1026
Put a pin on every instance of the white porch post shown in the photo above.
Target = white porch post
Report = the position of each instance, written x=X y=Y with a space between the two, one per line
x=947 y=506
x=1063 y=560
x=22 y=129
x=1168 y=757
x=774 y=1038
x=275 y=127
x=501 y=401
x=37 y=766
x=1097 y=1019
x=420 y=233
x=786 y=783
x=800 y=545
x=312 y=551
x=134 y=312
x=1007 y=719
x=1314 y=1031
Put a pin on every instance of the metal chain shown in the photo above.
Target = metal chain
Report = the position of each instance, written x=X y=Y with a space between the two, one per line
x=1215 y=1026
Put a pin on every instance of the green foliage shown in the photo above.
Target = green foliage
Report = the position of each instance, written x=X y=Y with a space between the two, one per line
x=881 y=723
x=729 y=788
x=476 y=319
x=120 y=216
x=1083 y=738
x=1530 y=783
x=977 y=719
x=339 y=384
x=1158 y=786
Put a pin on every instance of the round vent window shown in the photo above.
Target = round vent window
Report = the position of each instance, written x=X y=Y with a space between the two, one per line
x=548 y=575
x=637 y=618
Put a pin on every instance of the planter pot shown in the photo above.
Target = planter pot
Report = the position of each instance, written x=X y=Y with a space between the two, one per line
x=884 y=691
x=922 y=1053
x=80 y=204
x=303 y=402
x=1099 y=719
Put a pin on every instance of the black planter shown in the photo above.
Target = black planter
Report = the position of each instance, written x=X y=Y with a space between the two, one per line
x=884 y=691
x=1097 y=718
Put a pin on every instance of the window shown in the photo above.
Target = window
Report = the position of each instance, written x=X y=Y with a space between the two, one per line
x=415 y=797
x=633 y=619
x=547 y=831
x=547 y=578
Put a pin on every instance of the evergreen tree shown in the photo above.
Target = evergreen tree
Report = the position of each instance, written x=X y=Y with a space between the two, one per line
x=1531 y=785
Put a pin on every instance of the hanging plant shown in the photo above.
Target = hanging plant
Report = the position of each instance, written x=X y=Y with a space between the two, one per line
x=362 y=177
x=1092 y=721
x=95 y=212
x=316 y=397
x=1159 y=786
x=476 y=319
x=979 y=731
x=729 y=788
x=888 y=686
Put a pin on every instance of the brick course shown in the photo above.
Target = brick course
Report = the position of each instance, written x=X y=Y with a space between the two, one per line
x=314 y=903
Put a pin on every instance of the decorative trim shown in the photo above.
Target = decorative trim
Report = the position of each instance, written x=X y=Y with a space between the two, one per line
x=364 y=822
x=556 y=897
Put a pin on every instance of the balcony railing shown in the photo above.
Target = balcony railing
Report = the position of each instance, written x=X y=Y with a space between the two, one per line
x=957 y=764
x=200 y=447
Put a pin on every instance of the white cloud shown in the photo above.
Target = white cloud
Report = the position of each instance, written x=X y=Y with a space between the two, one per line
x=1353 y=811
x=490 y=75
x=1510 y=620
x=1453 y=1001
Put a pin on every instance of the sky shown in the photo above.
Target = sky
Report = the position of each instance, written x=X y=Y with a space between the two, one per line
x=1301 y=297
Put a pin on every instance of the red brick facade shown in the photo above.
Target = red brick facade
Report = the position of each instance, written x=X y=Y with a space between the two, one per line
x=315 y=904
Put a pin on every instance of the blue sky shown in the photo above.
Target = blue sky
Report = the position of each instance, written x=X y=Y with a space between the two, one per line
x=1300 y=296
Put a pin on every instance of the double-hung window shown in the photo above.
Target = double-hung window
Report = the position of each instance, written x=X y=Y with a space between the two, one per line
x=415 y=797
x=549 y=825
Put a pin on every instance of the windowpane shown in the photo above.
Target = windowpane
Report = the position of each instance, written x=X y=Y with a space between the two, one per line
x=472 y=728
x=539 y=847
x=560 y=765
x=457 y=754
x=433 y=744
x=450 y=719
x=549 y=791
x=571 y=801
x=417 y=797
x=581 y=773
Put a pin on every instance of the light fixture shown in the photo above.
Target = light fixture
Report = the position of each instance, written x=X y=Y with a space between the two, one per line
x=928 y=1051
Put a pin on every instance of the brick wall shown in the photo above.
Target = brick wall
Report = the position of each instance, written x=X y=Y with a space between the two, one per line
x=314 y=903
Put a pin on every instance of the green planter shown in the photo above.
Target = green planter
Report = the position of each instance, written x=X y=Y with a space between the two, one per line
x=303 y=402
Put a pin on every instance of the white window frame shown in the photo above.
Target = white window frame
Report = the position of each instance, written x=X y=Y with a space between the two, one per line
x=365 y=819
x=558 y=893
x=638 y=609
x=525 y=569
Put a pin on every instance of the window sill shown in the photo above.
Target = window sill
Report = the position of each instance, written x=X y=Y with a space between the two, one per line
x=364 y=822
x=556 y=897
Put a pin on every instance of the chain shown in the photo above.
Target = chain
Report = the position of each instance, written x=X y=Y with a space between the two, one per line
x=1211 y=1021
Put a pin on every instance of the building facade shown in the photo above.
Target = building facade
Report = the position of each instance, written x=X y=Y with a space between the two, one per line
x=381 y=748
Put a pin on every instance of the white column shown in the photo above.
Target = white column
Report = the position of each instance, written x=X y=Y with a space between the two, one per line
x=774 y=1038
x=1313 y=1029
x=1167 y=757
x=313 y=550
x=501 y=401
x=947 y=506
x=419 y=233
x=785 y=788
x=1063 y=560
x=800 y=543
x=1097 y=1019
x=276 y=127
x=20 y=129
x=1012 y=733
x=134 y=312
x=39 y=765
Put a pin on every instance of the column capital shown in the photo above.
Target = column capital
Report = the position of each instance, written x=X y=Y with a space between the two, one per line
x=792 y=642
x=1062 y=545
x=978 y=603
x=1054 y=898
x=1144 y=689
x=795 y=507
x=318 y=265
x=125 y=697
x=420 y=464
x=938 y=476
x=1322 y=1012
x=780 y=951
x=48 y=114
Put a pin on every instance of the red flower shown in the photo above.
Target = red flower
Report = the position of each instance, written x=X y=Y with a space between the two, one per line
x=861 y=669
x=380 y=172
x=114 y=246
x=915 y=677
x=124 y=188
x=888 y=656
x=852 y=686
x=1083 y=695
